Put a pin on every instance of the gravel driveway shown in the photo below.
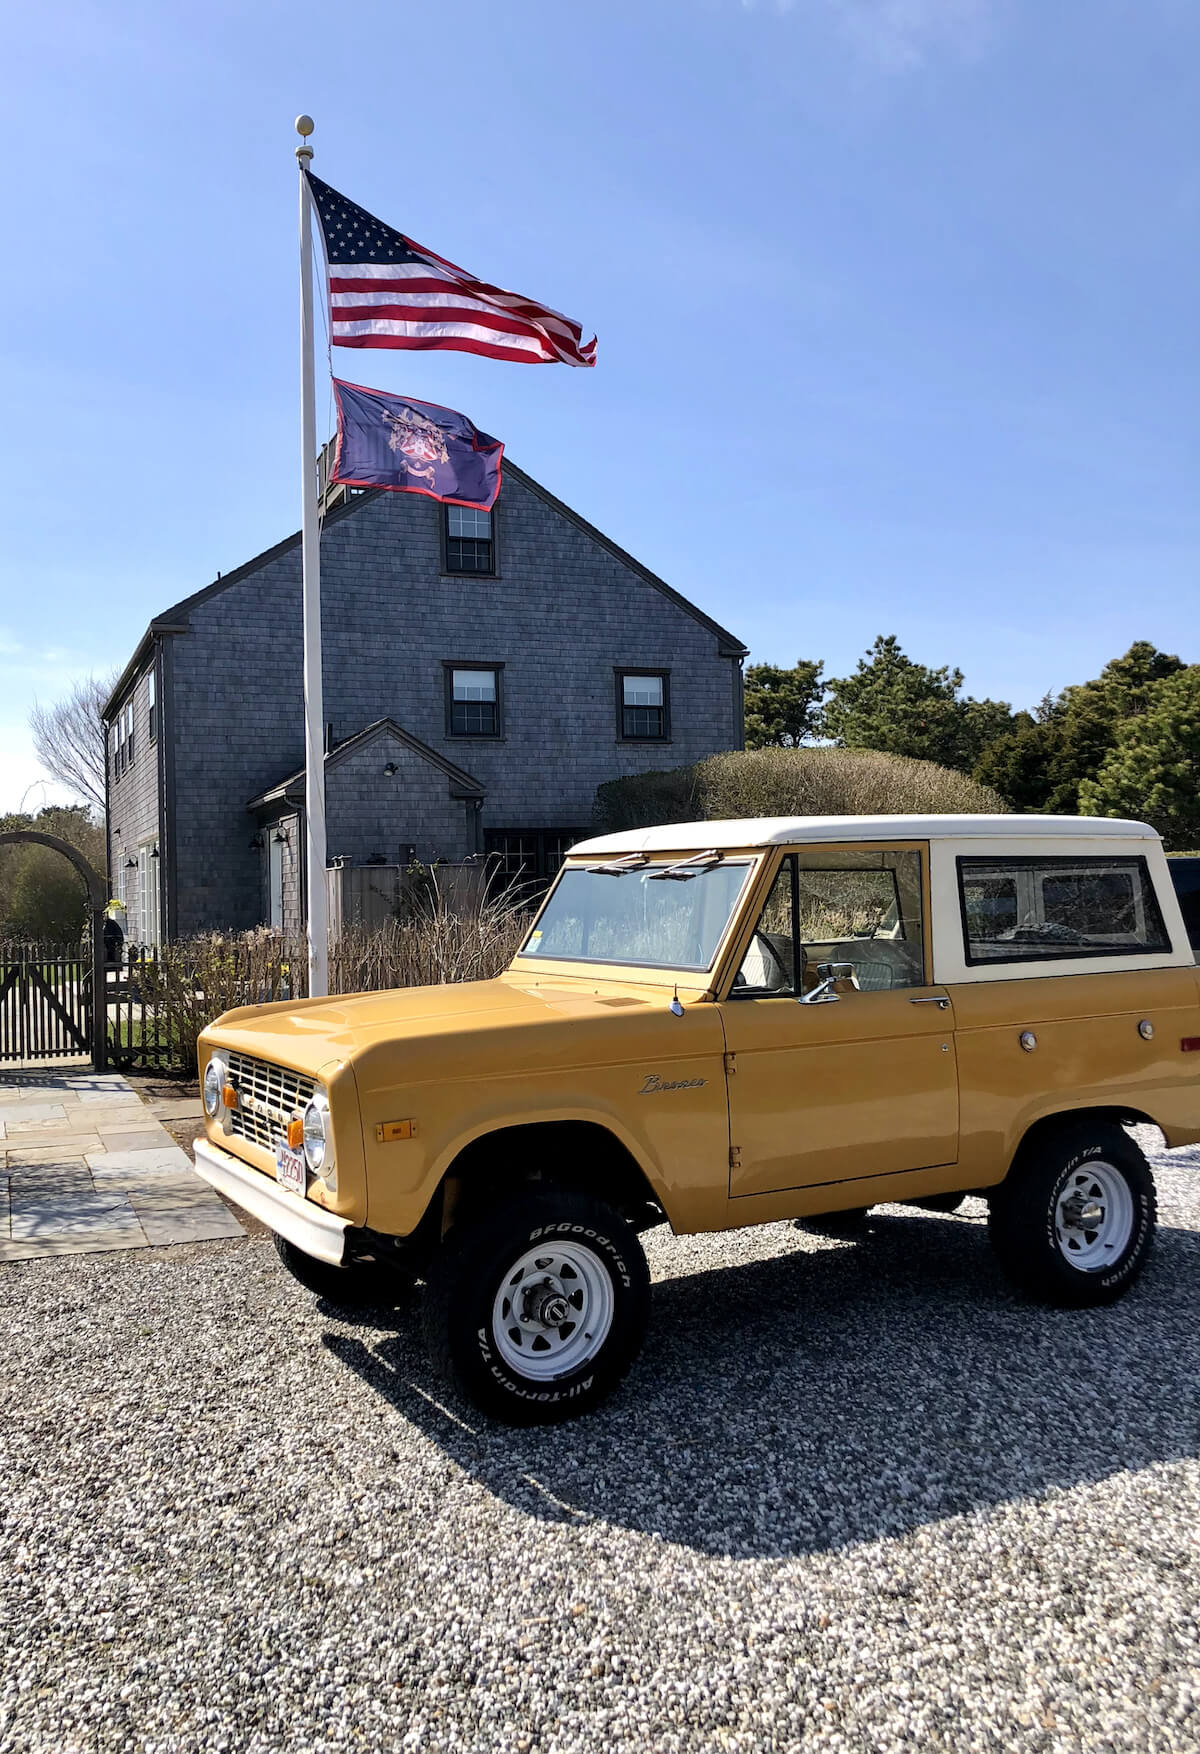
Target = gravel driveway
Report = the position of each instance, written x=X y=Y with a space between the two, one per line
x=855 y=1496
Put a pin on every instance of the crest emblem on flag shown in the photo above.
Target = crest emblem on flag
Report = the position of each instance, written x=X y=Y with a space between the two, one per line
x=418 y=439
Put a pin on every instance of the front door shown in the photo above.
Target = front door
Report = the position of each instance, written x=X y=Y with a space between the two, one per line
x=864 y=1083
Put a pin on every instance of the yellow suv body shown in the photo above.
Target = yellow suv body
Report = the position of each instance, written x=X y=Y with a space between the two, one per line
x=724 y=1024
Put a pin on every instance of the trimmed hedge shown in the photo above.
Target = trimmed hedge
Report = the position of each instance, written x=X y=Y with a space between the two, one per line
x=792 y=782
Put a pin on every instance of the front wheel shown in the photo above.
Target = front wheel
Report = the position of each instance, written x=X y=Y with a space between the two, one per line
x=536 y=1309
x=1074 y=1221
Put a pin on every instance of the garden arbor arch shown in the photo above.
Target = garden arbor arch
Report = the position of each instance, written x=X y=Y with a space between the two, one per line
x=97 y=894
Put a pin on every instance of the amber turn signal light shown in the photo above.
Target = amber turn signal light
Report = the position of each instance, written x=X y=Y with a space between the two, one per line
x=295 y=1134
x=229 y=1096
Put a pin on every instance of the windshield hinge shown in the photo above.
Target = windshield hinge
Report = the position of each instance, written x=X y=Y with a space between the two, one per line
x=685 y=868
x=735 y=1157
x=730 y=1065
x=618 y=867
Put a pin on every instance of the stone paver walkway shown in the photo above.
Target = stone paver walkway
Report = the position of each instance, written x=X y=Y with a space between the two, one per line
x=85 y=1167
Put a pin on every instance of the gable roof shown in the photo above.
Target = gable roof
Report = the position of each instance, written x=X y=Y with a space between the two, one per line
x=462 y=784
x=174 y=619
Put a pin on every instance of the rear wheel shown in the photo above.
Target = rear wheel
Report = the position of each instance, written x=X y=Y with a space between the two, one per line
x=1074 y=1221
x=536 y=1309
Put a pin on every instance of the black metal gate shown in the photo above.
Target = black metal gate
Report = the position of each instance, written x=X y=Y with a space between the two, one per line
x=45 y=1003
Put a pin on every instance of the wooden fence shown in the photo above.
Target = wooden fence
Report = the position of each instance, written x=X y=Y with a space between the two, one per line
x=45 y=1002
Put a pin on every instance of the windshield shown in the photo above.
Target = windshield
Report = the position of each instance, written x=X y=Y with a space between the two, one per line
x=668 y=914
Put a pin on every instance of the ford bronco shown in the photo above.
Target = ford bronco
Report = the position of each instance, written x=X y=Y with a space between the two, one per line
x=718 y=1024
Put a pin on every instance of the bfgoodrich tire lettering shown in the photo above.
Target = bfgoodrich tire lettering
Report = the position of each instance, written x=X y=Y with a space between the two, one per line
x=536 y=1310
x=1074 y=1222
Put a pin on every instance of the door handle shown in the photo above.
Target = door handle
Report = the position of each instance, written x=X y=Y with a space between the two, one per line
x=942 y=1004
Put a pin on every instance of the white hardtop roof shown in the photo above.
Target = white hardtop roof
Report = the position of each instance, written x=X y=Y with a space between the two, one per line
x=774 y=831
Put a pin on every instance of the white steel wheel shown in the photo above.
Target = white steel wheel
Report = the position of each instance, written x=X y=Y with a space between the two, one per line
x=1093 y=1216
x=553 y=1311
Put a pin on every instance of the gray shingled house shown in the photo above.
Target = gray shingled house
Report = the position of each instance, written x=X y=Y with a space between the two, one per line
x=483 y=674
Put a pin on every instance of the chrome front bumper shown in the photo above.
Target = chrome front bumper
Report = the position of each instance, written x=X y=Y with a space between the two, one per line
x=313 y=1230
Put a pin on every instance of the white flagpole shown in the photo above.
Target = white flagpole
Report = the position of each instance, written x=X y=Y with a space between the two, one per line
x=314 y=712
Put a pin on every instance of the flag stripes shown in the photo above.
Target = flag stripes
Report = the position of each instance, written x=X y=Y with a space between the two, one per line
x=387 y=291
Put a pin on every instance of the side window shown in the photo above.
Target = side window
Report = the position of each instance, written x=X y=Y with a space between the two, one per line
x=1031 y=910
x=862 y=906
x=768 y=967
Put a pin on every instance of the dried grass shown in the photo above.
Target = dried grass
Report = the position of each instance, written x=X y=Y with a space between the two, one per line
x=185 y=985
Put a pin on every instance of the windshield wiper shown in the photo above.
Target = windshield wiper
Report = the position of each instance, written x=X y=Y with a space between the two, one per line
x=618 y=867
x=687 y=867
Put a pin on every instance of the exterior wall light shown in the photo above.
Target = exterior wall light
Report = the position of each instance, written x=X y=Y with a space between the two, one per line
x=389 y=767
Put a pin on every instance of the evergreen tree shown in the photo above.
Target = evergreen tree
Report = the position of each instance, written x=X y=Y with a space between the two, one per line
x=783 y=707
x=1042 y=765
x=904 y=708
x=1152 y=771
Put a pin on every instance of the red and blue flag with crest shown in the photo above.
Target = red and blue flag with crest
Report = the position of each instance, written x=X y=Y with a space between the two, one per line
x=406 y=446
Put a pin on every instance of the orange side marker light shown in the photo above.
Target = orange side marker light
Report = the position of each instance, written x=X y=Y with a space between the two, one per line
x=229 y=1096
x=295 y=1134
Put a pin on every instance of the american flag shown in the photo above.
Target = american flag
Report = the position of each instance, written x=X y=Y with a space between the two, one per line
x=387 y=291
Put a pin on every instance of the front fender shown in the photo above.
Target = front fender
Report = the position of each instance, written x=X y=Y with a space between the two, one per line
x=677 y=1133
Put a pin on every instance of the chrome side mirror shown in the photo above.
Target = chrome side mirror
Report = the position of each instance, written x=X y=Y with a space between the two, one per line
x=831 y=976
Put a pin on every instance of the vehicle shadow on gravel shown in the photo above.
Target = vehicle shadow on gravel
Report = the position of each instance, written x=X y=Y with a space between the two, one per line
x=837 y=1394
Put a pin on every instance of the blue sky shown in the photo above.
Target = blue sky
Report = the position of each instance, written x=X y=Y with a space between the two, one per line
x=896 y=303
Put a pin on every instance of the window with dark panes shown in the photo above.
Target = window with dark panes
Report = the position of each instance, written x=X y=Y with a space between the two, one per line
x=474 y=703
x=151 y=716
x=1035 y=909
x=644 y=705
x=469 y=542
x=530 y=855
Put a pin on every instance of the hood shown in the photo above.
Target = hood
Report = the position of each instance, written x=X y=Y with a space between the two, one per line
x=309 y=1034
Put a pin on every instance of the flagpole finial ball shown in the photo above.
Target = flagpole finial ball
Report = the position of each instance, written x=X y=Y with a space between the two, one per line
x=305 y=126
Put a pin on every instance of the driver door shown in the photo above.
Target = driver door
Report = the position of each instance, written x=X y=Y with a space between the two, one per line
x=862 y=1082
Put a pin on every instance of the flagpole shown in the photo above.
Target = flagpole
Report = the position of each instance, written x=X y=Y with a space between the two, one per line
x=314 y=713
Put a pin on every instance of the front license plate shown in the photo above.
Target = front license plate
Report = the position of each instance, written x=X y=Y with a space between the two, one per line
x=289 y=1169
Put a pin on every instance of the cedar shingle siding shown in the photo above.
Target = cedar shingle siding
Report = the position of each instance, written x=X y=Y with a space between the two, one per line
x=564 y=612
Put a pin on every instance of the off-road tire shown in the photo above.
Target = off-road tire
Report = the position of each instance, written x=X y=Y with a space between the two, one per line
x=1023 y=1219
x=360 y=1285
x=467 y=1281
x=938 y=1202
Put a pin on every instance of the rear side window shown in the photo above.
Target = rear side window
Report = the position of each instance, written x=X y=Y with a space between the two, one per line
x=1040 y=910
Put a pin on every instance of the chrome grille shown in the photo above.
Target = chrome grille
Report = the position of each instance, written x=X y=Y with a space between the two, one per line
x=268 y=1097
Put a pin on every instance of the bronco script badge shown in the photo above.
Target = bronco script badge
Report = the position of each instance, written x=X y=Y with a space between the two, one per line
x=654 y=1084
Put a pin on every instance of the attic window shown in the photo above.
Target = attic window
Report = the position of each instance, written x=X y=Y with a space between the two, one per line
x=469 y=541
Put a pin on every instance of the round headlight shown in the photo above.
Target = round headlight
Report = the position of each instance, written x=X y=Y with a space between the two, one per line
x=214 y=1085
x=316 y=1135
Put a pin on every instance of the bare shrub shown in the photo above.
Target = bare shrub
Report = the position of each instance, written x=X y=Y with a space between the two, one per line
x=792 y=782
x=441 y=946
x=835 y=782
x=185 y=985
